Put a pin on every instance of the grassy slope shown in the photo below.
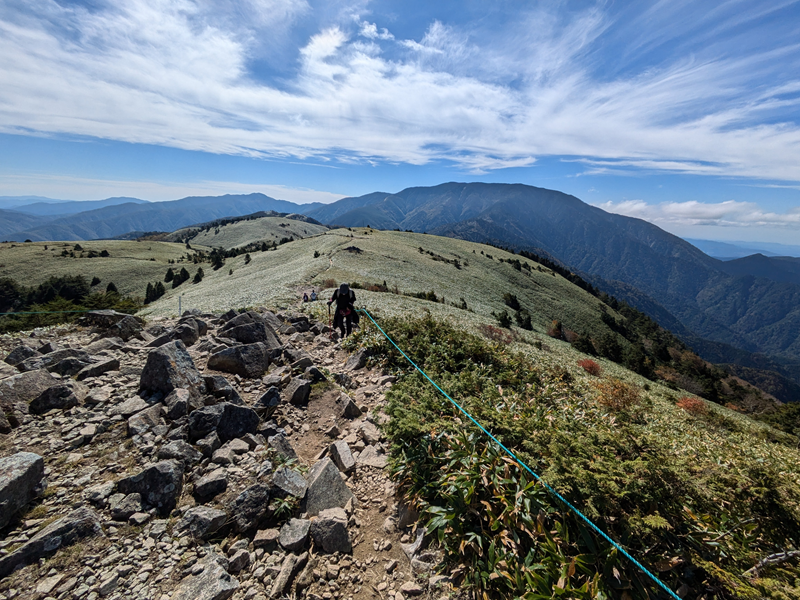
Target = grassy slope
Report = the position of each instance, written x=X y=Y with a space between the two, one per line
x=129 y=265
x=241 y=233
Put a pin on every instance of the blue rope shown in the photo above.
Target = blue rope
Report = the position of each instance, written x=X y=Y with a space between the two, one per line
x=527 y=468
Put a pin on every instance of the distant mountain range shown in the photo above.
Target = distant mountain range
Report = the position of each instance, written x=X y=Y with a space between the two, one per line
x=744 y=311
x=730 y=250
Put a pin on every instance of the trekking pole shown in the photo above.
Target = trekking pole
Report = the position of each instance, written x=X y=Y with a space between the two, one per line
x=330 y=324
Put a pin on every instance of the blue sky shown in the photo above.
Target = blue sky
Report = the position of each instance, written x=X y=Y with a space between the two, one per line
x=683 y=113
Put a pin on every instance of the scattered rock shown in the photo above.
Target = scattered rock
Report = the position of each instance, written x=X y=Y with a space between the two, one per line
x=212 y=484
x=288 y=482
x=145 y=420
x=294 y=534
x=98 y=369
x=159 y=484
x=169 y=367
x=123 y=508
x=57 y=397
x=181 y=451
x=220 y=387
x=268 y=402
x=202 y=521
x=229 y=420
x=369 y=457
x=21 y=478
x=282 y=446
x=249 y=360
x=249 y=507
x=212 y=582
x=298 y=391
x=79 y=524
x=329 y=531
x=20 y=353
x=325 y=488
x=266 y=539
x=341 y=455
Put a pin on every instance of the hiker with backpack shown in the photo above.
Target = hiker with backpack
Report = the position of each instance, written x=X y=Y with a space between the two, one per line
x=345 y=315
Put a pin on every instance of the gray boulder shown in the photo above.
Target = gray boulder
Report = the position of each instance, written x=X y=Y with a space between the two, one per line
x=250 y=333
x=356 y=361
x=181 y=451
x=341 y=455
x=288 y=482
x=124 y=508
x=177 y=403
x=21 y=478
x=126 y=328
x=325 y=488
x=281 y=445
x=329 y=531
x=212 y=484
x=202 y=521
x=58 y=397
x=268 y=402
x=219 y=387
x=187 y=332
x=20 y=353
x=169 y=367
x=249 y=507
x=348 y=408
x=250 y=360
x=77 y=525
x=212 y=583
x=298 y=391
x=60 y=361
x=209 y=444
x=228 y=420
x=294 y=534
x=129 y=407
x=159 y=484
x=17 y=391
x=98 y=369
x=370 y=457
x=146 y=420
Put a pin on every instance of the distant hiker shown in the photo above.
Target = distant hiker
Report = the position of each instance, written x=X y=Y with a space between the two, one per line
x=345 y=314
x=305 y=297
x=313 y=296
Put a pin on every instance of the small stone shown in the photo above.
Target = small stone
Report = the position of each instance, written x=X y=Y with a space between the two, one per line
x=411 y=588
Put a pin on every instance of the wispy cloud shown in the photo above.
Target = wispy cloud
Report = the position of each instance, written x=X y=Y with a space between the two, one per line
x=692 y=213
x=491 y=95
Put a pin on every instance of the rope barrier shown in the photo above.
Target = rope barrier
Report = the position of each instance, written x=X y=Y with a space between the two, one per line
x=49 y=312
x=566 y=502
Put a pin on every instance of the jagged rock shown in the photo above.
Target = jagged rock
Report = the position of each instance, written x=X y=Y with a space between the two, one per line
x=298 y=391
x=61 y=396
x=306 y=577
x=325 y=488
x=267 y=539
x=356 y=361
x=187 y=332
x=291 y=564
x=249 y=507
x=202 y=521
x=209 y=444
x=98 y=369
x=103 y=318
x=160 y=340
x=178 y=402
x=180 y=450
x=238 y=446
x=169 y=367
x=124 y=508
x=212 y=583
x=250 y=360
x=314 y=375
x=17 y=391
x=288 y=482
x=282 y=446
x=223 y=456
x=340 y=454
x=111 y=343
x=145 y=420
x=20 y=353
x=97 y=494
x=212 y=484
x=60 y=361
x=251 y=333
x=79 y=524
x=411 y=588
x=268 y=402
x=229 y=420
x=239 y=561
x=130 y=407
x=369 y=433
x=159 y=484
x=349 y=409
x=126 y=328
x=329 y=531
x=220 y=387
x=294 y=534
x=369 y=457
x=5 y=424
x=21 y=478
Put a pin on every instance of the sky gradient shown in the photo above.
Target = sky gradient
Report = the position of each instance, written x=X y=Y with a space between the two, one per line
x=686 y=114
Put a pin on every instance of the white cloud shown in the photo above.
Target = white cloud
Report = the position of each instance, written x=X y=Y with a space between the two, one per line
x=179 y=73
x=693 y=214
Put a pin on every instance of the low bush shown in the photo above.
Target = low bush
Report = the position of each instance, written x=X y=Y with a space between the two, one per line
x=590 y=366
x=617 y=395
x=329 y=284
x=693 y=406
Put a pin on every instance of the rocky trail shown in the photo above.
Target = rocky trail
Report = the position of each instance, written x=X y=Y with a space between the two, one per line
x=210 y=457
